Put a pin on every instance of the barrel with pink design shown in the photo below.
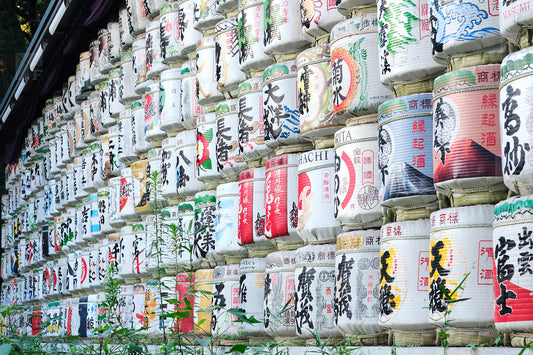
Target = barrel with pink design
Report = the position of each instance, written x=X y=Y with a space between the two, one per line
x=184 y=288
x=281 y=199
x=229 y=161
x=152 y=114
x=466 y=135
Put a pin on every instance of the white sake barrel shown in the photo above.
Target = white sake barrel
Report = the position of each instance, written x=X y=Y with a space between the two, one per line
x=154 y=165
x=154 y=59
x=139 y=65
x=103 y=92
x=187 y=183
x=205 y=14
x=71 y=136
x=228 y=72
x=224 y=6
x=103 y=211
x=153 y=7
x=314 y=296
x=126 y=146
x=251 y=124
x=279 y=292
x=170 y=100
x=139 y=299
x=405 y=46
x=103 y=47
x=115 y=106
x=59 y=110
x=405 y=164
x=141 y=145
x=113 y=29
x=229 y=161
x=49 y=116
x=152 y=118
x=125 y=27
x=105 y=162
x=475 y=30
x=515 y=137
x=206 y=164
x=203 y=281
x=511 y=242
x=227 y=221
x=133 y=258
x=127 y=78
x=460 y=240
x=190 y=109
x=282 y=28
x=138 y=16
x=252 y=56
x=206 y=76
x=92 y=267
x=85 y=72
x=87 y=183
x=317 y=119
x=126 y=307
x=280 y=104
x=252 y=294
x=126 y=191
x=169 y=27
x=115 y=218
x=404 y=269
x=141 y=186
x=97 y=173
x=79 y=143
x=281 y=199
x=225 y=297
x=184 y=237
x=514 y=19
x=114 y=251
x=204 y=217
x=103 y=259
x=356 y=177
x=96 y=231
x=70 y=98
x=79 y=171
x=95 y=75
x=319 y=17
x=168 y=172
x=252 y=210
x=95 y=123
x=188 y=35
x=466 y=142
x=356 y=87
x=316 y=208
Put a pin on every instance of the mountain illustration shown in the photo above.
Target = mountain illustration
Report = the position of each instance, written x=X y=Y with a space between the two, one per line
x=404 y=180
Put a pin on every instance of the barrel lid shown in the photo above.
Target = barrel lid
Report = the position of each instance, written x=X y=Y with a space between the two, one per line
x=311 y=55
x=513 y=210
x=226 y=272
x=203 y=198
x=406 y=229
x=462 y=217
x=277 y=70
x=185 y=207
x=227 y=107
x=516 y=63
x=482 y=76
x=364 y=23
x=280 y=260
x=406 y=105
x=252 y=265
x=250 y=85
x=315 y=255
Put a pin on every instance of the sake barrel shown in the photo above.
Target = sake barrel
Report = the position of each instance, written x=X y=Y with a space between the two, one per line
x=127 y=194
x=187 y=183
x=314 y=295
x=251 y=125
x=154 y=58
x=170 y=100
x=228 y=72
x=126 y=148
x=87 y=183
x=95 y=75
x=127 y=78
x=103 y=93
x=229 y=161
x=318 y=18
x=70 y=98
x=141 y=186
x=114 y=252
x=405 y=45
x=206 y=76
x=477 y=30
x=103 y=47
x=85 y=72
x=168 y=172
x=515 y=138
x=139 y=298
x=317 y=119
x=97 y=173
x=137 y=15
x=188 y=35
x=227 y=218
x=280 y=104
x=459 y=255
x=141 y=145
x=206 y=165
x=126 y=307
x=316 y=174
x=139 y=65
x=203 y=281
x=204 y=226
x=103 y=211
x=205 y=14
x=152 y=118
x=252 y=56
x=169 y=27
x=511 y=241
x=125 y=27
x=115 y=106
x=357 y=268
x=281 y=199
x=113 y=29
x=185 y=291
x=252 y=210
x=154 y=165
x=282 y=28
x=404 y=268
x=279 y=293
x=225 y=297
x=152 y=308
x=133 y=258
x=59 y=110
x=92 y=267
x=114 y=186
x=466 y=129
x=404 y=163
x=190 y=109
x=168 y=292
x=153 y=7
x=252 y=294
x=356 y=88
x=103 y=259
x=514 y=18
x=356 y=194
x=184 y=237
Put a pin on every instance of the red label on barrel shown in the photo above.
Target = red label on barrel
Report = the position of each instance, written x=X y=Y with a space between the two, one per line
x=246 y=203
x=276 y=199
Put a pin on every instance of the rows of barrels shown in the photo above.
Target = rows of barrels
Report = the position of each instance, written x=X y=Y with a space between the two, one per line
x=369 y=166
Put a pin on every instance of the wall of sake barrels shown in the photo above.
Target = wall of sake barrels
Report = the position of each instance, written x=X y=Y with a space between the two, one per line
x=334 y=169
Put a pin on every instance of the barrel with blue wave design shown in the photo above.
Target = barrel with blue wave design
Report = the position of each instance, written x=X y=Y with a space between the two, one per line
x=405 y=151
x=465 y=27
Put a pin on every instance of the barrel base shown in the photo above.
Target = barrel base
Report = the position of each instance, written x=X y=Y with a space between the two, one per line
x=476 y=336
x=414 y=338
x=520 y=340
x=417 y=87
x=234 y=259
x=369 y=339
x=483 y=57
x=289 y=341
x=293 y=148
x=329 y=341
x=260 y=253
x=288 y=245
x=471 y=191
x=393 y=212
x=259 y=340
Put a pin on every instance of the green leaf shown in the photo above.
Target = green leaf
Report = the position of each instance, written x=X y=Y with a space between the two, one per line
x=209 y=134
x=207 y=164
x=238 y=348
